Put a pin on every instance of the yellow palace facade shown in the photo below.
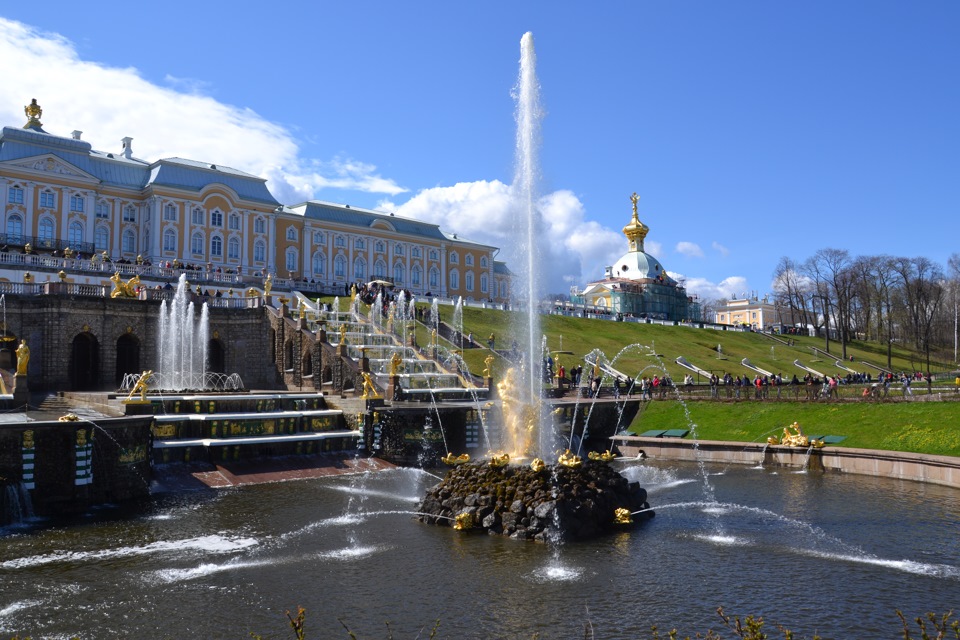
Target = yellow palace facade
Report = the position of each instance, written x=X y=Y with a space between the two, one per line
x=62 y=198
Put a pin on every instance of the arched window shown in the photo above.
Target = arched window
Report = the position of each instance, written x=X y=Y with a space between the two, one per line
x=379 y=247
x=216 y=218
x=340 y=266
x=45 y=229
x=359 y=268
x=259 y=225
x=259 y=251
x=358 y=244
x=216 y=247
x=170 y=213
x=196 y=244
x=15 y=195
x=292 y=233
x=234 y=222
x=380 y=270
x=170 y=240
x=398 y=250
x=468 y=280
x=433 y=254
x=48 y=199
x=233 y=249
x=454 y=258
x=292 y=259
x=319 y=262
x=101 y=238
x=483 y=283
x=15 y=229
x=483 y=261
x=340 y=242
x=128 y=243
x=454 y=279
x=319 y=237
x=198 y=216
x=416 y=274
x=434 y=277
x=398 y=272
x=468 y=259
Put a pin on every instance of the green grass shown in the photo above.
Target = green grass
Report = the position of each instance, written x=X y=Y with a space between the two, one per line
x=919 y=427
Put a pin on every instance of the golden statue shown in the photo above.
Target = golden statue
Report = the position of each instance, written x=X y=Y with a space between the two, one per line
x=396 y=363
x=500 y=460
x=433 y=337
x=606 y=456
x=792 y=437
x=570 y=460
x=489 y=362
x=343 y=333
x=622 y=516
x=33 y=113
x=463 y=521
x=268 y=284
x=123 y=289
x=369 y=390
x=538 y=465
x=141 y=386
x=453 y=460
x=23 y=358
x=72 y=417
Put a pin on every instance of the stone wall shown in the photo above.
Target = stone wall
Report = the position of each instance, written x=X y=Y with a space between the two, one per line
x=943 y=470
x=75 y=340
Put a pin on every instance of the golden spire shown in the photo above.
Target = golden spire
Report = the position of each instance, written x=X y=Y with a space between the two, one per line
x=635 y=231
x=33 y=113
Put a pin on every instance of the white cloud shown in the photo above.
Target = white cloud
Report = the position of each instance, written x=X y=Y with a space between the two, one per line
x=731 y=287
x=109 y=103
x=572 y=250
x=719 y=248
x=689 y=249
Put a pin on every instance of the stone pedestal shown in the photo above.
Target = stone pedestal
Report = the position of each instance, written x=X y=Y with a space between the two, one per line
x=365 y=364
x=137 y=407
x=393 y=387
x=21 y=392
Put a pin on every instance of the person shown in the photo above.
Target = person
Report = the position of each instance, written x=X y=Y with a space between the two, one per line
x=956 y=383
x=491 y=341
x=23 y=358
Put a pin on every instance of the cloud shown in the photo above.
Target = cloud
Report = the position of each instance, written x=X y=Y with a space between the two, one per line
x=719 y=248
x=731 y=287
x=109 y=103
x=572 y=249
x=689 y=249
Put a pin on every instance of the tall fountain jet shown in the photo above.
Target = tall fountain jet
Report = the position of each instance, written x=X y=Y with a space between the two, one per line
x=529 y=115
x=182 y=343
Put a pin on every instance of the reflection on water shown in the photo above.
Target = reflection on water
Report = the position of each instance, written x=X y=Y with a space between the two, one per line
x=831 y=553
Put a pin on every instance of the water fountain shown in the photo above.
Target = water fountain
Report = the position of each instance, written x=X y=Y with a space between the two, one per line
x=182 y=343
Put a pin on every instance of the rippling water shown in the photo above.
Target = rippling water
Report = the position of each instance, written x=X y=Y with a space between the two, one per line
x=832 y=554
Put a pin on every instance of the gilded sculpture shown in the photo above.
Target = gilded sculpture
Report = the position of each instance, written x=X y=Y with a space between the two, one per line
x=268 y=284
x=369 y=390
x=33 y=113
x=141 y=386
x=489 y=362
x=23 y=358
x=396 y=363
x=123 y=289
x=343 y=333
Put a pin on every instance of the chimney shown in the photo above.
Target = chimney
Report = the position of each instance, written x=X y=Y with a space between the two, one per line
x=76 y=134
x=127 y=147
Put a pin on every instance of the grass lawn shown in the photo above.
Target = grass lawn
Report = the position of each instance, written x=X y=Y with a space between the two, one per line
x=919 y=427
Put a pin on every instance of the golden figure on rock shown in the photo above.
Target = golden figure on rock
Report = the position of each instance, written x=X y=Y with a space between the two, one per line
x=538 y=465
x=570 y=460
x=489 y=362
x=500 y=460
x=606 y=456
x=268 y=284
x=622 y=516
x=463 y=521
x=792 y=437
x=453 y=460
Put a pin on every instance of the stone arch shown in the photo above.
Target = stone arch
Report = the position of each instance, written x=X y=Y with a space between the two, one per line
x=306 y=364
x=216 y=356
x=128 y=357
x=8 y=354
x=288 y=363
x=84 y=368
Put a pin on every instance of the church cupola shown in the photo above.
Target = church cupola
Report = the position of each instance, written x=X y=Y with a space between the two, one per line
x=635 y=231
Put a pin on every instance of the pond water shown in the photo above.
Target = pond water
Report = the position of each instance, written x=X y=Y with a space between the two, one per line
x=833 y=554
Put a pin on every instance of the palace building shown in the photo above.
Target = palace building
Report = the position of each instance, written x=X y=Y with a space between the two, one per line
x=62 y=198
x=638 y=285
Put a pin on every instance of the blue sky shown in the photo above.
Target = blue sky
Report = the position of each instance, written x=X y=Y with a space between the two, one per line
x=751 y=130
